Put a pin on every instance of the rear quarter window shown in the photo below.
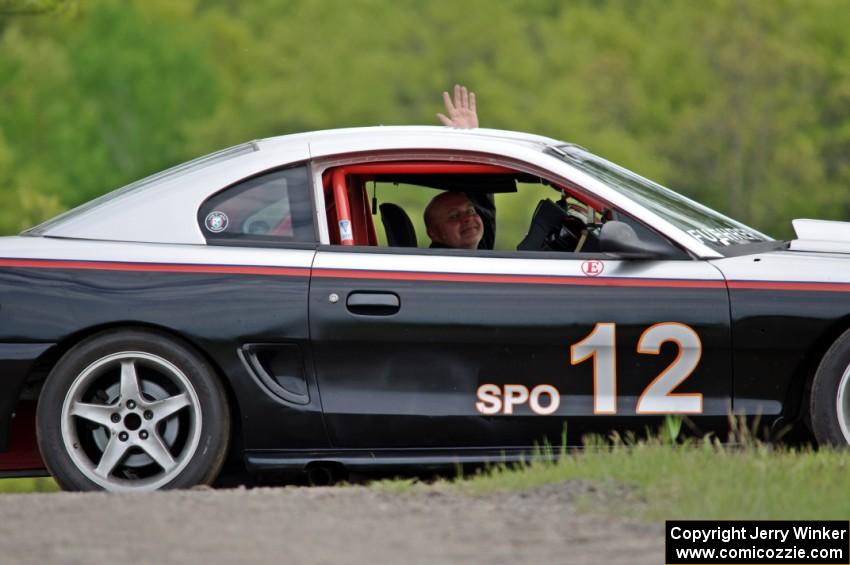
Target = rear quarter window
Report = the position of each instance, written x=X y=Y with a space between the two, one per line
x=267 y=209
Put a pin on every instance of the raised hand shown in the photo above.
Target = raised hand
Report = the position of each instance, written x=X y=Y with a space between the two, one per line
x=461 y=111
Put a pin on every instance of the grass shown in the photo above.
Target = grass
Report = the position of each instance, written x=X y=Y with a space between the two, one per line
x=29 y=484
x=703 y=479
x=663 y=477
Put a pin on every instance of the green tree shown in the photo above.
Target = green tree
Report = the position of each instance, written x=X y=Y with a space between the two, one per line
x=105 y=98
x=742 y=104
x=29 y=7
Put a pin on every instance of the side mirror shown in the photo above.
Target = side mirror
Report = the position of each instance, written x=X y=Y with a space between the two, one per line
x=620 y=239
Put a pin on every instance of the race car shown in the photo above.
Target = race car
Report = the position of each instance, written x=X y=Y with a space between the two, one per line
x=247 y=309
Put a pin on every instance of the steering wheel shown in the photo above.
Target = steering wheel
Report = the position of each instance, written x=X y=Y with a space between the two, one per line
x=552 y=229
x=569 y=237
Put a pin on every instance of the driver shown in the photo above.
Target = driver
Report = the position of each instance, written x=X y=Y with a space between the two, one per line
x=453 y=222
x=459 y=220
x=461 y=113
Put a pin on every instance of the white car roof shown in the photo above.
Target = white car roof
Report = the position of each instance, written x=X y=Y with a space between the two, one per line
x=396 y=134
x=163 y=208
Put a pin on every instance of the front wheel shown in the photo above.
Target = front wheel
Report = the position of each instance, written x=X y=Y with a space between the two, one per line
x=132 y=411
x=830 y=396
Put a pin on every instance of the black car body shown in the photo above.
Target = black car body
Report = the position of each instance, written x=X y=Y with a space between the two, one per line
x=243 y=306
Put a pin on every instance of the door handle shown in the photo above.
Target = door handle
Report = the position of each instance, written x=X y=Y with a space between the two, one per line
x=373 y=303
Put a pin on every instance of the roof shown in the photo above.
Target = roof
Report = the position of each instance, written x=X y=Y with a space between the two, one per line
x=398 y=132
x=162 y=208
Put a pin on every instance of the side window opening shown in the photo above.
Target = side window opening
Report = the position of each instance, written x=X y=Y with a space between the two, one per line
x=378 y=195
x=271 y=208
x=531 y=214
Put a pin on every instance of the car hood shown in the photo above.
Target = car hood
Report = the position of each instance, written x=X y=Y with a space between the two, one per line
x=821 y=236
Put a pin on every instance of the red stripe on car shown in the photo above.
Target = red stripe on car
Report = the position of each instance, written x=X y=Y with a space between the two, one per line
x=155 y=267
x=795 y=286
x=513 y=279
x=421 y=276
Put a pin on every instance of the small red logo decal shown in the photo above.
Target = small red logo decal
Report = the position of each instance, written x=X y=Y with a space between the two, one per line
x=592 y=268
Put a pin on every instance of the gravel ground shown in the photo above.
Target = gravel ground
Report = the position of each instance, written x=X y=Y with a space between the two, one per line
x=320 y=525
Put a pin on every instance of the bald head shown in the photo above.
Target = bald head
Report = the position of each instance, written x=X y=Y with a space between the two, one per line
x=452 y=221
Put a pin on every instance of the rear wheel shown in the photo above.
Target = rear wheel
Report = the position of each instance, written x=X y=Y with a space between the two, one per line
x=131 y=411
x=830 y=395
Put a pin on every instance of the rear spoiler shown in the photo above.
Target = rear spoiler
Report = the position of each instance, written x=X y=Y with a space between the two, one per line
x=821 y=236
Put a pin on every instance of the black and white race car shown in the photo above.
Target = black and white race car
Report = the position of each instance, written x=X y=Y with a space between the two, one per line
x=246 y=308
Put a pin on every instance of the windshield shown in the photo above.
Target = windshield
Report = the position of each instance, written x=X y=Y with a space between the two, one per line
x=708 y=226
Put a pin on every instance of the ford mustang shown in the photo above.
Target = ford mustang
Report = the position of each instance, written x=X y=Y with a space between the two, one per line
x=275 y=307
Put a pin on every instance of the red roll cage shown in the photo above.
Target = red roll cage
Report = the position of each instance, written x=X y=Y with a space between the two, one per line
x=348 y=211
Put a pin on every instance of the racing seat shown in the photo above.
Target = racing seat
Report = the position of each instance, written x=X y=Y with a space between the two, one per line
x=397 y=224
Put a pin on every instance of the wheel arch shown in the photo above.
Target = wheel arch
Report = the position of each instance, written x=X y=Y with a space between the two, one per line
x=35 y=380
x=796 y=405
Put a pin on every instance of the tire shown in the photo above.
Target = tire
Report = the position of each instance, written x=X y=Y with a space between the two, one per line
x=132 y=410
x=829 y=406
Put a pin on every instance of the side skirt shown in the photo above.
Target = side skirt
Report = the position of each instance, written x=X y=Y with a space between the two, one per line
x=392 y=459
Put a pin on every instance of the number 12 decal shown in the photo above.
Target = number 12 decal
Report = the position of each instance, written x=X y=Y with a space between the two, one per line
x=657 y=397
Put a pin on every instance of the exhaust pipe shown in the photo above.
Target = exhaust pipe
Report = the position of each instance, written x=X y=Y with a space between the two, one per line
x=321 y=476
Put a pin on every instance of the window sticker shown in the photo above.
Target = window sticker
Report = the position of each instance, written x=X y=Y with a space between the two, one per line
x=216 y=221
x=345 y=233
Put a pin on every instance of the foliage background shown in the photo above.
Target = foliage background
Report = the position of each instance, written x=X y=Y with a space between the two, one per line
x=744 y=105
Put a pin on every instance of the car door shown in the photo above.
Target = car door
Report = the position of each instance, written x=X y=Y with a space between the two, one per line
x=256 y=324
x=447 y=348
